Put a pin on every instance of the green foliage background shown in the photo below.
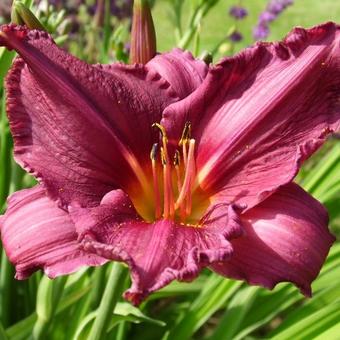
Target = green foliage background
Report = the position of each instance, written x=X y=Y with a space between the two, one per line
x=211 y=307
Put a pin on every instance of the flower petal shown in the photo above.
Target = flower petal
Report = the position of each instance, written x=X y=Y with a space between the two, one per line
x=37 y=234
x=286 y=240
x=259 y=115
x=82 y=129
x=158 y=252
x=181 y=70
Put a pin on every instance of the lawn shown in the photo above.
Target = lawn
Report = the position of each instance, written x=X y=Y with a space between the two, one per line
x=215 y=26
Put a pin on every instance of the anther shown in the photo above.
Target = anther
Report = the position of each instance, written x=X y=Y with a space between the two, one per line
x=162 y=131
x=153 y=152
x=163 y=156
x=186 y=134
x=178 y=171
x=177 y=158
x=164 y=139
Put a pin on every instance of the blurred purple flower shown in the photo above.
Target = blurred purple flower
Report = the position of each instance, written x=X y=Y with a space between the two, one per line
x=238 y=12
x=273 y=9
x=236 y=36
x=261 y=31
x=277 y=6
x=267 y=17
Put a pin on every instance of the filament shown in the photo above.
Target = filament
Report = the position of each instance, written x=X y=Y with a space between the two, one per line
x=153 y=156
x=189 y=175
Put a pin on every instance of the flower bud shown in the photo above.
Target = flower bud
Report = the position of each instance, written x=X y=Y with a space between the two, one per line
x=22 y=15
x=143 y=36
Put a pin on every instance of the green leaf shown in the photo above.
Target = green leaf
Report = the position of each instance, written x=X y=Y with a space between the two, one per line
x=49 y=293
x=6 y=58
x=3 y=335
x=176 y=288
x=323 y=182
x=312 y=325
x=214 y=295
x=235 y=312
x=23 y=328
x=122 y=312
x=44 y=298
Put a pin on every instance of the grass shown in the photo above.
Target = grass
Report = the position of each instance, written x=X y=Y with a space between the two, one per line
x=215 y=26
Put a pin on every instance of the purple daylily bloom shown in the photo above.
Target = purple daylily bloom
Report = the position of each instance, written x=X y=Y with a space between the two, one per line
x=216 y=189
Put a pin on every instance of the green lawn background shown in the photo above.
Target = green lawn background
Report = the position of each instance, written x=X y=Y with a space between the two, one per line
x=215 y=26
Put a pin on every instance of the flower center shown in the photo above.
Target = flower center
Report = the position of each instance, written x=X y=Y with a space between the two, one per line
x=176 y=195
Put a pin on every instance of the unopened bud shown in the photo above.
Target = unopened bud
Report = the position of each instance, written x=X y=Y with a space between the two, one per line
x=206 y=57
x=15 y=17
x=143 y=36
x=22 y=15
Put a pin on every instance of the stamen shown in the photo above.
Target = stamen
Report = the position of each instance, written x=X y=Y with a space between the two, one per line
x=164 y=138
x=189 y=175
x=186 y=134
x=185 y=154
x=169 y=208
x=163 y=159
x=153 y=152
x=165 y=186
x=188 y=202
x=153 y=157
x=177 y=158
x=161 y=129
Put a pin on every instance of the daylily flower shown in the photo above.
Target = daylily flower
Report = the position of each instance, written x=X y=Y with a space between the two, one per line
x=171 y=166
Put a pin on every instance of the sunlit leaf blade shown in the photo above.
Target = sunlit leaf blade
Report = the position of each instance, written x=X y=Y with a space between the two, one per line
x=6 y=58
x=122 y=312
x=213 y=297
x=235 y=313
x=312 y=325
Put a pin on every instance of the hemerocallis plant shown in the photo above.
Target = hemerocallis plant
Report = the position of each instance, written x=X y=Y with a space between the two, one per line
x=168 y=164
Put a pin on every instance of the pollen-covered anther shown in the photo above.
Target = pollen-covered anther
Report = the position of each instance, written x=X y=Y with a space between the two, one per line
x=186 y=135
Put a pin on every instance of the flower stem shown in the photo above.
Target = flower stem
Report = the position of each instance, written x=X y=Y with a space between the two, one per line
x=5 y=156
x=99 y=279
x=111 y=294
x=48 y=297
x=6 y=284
